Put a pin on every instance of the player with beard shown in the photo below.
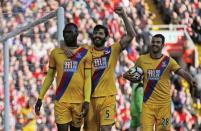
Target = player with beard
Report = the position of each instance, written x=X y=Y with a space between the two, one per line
x=73 y=82
x=156 y=107
x=102 y=107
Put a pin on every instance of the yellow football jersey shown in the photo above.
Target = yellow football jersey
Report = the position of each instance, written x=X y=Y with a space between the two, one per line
x=103 y=70
x=29 y=123
x=70 y=74
x=157 y=78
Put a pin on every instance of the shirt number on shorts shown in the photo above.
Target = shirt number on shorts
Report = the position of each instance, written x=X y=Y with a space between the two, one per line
x=164 y=122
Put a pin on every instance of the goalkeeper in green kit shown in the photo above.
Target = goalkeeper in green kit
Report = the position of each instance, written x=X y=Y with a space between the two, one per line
x=136 y=105
x=136 y=101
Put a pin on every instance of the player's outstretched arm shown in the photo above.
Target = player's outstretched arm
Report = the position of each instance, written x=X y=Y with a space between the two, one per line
x=126 y=39
x=87 y=92
x=187 y=77
x=46 y=84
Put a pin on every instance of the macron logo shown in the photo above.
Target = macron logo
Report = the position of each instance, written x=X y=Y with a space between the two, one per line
x=107 y=52
x=164 y=64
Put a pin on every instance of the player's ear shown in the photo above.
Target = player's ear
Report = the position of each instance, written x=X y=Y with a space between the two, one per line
x=77 y=33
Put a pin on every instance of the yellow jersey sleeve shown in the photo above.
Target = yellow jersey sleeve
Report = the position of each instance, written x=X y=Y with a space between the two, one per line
x=174 y=66
x=52 y=63
x=116 y=47
x=88 y=76
x=49 y=77
x=47 y=82
x=88 y=61
x=87 y=85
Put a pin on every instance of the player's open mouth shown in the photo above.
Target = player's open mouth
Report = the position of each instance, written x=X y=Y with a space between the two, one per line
x=97 y=39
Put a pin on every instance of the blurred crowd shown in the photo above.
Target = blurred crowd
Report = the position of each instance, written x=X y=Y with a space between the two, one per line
x=183 y=12
x=29 y=58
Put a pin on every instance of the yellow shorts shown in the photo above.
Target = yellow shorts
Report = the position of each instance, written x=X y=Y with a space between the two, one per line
x=68 y=112
x=101 y=112
x=156 y=115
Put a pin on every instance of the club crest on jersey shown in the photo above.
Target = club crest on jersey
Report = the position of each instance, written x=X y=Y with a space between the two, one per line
x=70 y=66
x=153 y=74
x=107 y=51
x=164 y=64
x=100 y=63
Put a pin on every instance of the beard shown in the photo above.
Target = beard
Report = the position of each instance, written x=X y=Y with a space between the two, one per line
x=155 y=49
x=99 y=43
x=70 y=42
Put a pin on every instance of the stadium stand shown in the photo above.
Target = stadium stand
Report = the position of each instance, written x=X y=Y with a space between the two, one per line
x=29 y=55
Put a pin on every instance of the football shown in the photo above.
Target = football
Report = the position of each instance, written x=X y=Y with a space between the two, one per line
x=136 y=73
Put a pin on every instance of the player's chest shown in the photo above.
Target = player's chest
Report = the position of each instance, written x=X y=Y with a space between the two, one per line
x=152 y=70
x=69 y=64
x=100 y=61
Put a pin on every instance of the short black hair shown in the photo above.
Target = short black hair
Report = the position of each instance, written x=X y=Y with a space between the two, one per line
x=70 y=24
x=97 y=27
x=160 y=36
